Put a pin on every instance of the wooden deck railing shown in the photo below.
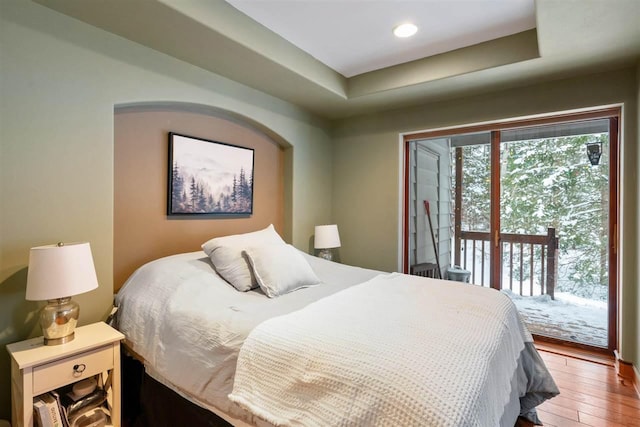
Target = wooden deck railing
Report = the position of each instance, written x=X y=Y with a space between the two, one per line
x=531 y=251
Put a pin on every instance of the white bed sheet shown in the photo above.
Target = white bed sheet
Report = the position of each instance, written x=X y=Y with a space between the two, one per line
x=169 y=304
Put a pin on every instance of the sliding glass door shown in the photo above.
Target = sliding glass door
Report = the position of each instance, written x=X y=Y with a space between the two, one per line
x=533 y=212
x=550 y=186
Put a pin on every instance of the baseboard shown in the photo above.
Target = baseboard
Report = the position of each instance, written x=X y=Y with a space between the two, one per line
x=628 y=373
x=576 y=351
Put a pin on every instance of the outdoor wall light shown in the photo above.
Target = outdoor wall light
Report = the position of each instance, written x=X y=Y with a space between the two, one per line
x=594 y=151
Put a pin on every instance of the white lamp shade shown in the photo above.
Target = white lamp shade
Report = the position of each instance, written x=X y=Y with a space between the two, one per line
x=327 y=237
x=60 y=271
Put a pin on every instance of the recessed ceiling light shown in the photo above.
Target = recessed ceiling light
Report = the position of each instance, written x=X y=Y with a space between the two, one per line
x=405 y=30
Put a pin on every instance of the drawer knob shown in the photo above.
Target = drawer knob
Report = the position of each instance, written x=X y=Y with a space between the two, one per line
x=79 y=369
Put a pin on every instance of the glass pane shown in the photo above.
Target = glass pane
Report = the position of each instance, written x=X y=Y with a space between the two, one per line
x=476 y=184
x=472 y=153
x=549 y=187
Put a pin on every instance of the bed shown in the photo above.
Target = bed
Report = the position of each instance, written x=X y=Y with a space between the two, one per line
x=350 y=346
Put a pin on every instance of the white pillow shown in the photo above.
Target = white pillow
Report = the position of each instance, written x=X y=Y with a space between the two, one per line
x=280 y=269
x=226 y=255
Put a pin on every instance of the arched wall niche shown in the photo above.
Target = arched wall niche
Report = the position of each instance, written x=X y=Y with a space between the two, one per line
x=142 y=229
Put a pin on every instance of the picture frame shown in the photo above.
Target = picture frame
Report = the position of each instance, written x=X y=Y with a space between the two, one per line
x=209 y=177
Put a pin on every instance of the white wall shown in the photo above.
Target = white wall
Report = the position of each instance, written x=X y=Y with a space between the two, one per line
x=59 y=82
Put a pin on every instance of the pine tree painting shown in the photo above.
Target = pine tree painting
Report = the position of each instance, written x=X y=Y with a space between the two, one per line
x=209 y=177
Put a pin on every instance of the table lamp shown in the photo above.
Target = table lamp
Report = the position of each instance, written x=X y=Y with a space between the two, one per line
x=326 y=238
x=57 y=272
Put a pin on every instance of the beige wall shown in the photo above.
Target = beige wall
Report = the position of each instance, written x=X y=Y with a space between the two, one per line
x=367 y=168
x=60 y=81
x=142 y=231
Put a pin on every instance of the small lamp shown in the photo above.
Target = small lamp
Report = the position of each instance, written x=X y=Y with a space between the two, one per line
x=594 y=151
x=327 y=237
x=56 y=272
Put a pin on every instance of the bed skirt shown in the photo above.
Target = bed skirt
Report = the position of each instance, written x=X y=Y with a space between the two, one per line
x=149 y=403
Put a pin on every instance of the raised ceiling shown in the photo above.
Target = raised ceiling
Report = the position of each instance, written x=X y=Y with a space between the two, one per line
x=569 y=38
x=355 y=37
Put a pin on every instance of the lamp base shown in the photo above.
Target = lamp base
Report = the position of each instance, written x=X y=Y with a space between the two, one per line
x=58 y=320
x=58 y=341
x=325 y=254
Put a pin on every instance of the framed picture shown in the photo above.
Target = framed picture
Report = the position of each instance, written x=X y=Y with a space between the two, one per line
x=209 y=177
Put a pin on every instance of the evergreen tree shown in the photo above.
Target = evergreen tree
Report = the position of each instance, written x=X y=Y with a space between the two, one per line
x=243 y=185
x=177 y=188
x=202 y=199
x=193 y=194
x=234 y=191
x=476 y=184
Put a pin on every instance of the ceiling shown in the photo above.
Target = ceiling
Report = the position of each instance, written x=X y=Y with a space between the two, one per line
x=315 y=59
x=355 y=37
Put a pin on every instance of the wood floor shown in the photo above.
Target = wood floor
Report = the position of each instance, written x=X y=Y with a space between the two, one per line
x=591 y=394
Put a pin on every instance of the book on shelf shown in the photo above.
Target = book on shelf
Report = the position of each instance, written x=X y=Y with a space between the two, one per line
x=61 y=408
x=40 y=415
x=46 y=411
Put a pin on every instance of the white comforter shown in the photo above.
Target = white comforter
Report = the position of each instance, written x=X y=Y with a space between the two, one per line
x=189 y=324
x=394 y=351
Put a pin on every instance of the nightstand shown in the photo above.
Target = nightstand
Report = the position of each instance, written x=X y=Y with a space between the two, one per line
x=37 y=368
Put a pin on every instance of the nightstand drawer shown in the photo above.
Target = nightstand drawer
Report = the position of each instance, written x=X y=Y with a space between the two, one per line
x=71 y=369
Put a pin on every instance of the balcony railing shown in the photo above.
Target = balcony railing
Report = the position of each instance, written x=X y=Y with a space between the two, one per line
x=523 y=257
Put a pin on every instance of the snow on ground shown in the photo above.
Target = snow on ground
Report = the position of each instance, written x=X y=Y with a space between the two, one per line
x=567 y=317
